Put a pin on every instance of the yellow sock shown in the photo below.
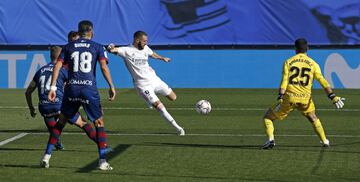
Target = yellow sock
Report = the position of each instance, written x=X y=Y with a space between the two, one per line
x=269 y=127
x=319 y=130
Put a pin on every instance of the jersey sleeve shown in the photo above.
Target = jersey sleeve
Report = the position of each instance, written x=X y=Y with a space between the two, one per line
x=102 y=55
x=319 y=77
x=121 y=51
x=285 y=76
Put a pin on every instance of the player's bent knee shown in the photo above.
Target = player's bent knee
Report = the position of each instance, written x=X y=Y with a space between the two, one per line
x=99 y=122
x=172 y=96
x=311 y=116
x=156 y=104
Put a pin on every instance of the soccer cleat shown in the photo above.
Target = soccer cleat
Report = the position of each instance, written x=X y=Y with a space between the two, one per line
x=181 y=132
x=326 y=143
x=108 y=149
x=44 y=164
x=268 y=144
x=104 y=166
x=59 y=146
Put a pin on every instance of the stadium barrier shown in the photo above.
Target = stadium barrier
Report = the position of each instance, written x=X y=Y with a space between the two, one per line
x=200 y=68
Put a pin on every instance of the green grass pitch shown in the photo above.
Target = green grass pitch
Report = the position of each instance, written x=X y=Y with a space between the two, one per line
x=221 y=146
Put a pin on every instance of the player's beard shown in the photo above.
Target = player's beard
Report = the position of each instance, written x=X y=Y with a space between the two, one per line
x=140 y=47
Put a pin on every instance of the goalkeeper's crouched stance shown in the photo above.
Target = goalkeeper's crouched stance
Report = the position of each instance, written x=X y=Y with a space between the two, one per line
x=295 y=93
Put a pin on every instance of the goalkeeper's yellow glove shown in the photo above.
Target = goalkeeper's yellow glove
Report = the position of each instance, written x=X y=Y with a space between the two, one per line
x=338 y=101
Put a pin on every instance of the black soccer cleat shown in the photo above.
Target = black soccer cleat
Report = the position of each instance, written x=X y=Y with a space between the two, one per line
x=268 y=144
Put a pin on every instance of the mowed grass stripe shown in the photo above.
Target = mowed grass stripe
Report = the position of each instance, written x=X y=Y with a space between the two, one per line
x=195 y=134
x=189 y=108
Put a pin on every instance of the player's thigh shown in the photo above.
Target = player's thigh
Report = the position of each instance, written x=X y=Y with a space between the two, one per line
x=308 y=110
x=49 y=110
x=163 y=89
x=91 y=104
x=281 y=109
x=148 y=93
x=71 y=102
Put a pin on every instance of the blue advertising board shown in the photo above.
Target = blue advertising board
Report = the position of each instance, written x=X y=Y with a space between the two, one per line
x=200 y=68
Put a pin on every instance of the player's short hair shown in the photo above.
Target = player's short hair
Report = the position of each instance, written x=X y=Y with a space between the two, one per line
x=84 y=26
x=71 y=35
x=139 y=34
x=54 y=52
x=301 y=45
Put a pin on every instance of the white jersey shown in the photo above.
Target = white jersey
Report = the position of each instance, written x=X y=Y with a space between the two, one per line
x=136 y=62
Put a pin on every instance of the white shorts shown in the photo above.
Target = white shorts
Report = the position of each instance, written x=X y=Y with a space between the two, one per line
x=149 y=91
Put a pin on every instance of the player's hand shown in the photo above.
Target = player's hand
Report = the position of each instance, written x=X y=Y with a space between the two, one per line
x=165 y=59
x=338 y=101
x=110 y=47
x=32 y=112
x=112 y=94
x=52 y=95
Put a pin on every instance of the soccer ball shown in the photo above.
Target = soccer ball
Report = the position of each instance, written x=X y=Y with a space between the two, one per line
x=203 y=107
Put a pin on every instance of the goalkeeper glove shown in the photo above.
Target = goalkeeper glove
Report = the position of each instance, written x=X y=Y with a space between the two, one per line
x=338 y=101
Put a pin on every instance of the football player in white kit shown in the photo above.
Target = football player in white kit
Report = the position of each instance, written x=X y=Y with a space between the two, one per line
x=146 y=82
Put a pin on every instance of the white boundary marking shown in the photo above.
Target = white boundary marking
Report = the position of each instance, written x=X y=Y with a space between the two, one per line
x=191 y=134
x=13 y=138
x=188 y=108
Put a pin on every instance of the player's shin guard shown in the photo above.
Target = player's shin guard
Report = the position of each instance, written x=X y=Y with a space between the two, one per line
x=269 y=128
x=163 y=112
x=319 y=130
x=54 y=137
x=101 y=141
x=90 y=131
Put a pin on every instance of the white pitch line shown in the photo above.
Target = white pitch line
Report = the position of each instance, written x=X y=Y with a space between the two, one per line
x=197 y=134
x=13 y=138
x=189 y=108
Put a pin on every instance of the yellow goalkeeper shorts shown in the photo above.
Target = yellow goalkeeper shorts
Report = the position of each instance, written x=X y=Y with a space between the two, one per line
x=282 y=109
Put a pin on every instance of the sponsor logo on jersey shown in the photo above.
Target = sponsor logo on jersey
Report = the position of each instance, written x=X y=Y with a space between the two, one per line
x=81 y=82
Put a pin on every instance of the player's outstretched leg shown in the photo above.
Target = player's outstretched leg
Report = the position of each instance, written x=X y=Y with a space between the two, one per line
x=163 y=112
x=101 y=142
x=269 y=128
x=53 y=138
x=318 y=128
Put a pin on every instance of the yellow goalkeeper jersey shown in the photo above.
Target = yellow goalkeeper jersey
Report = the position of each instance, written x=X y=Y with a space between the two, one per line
x=298 y=74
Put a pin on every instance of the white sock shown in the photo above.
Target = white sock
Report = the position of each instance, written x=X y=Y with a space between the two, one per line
x=46 y=157
x=163 y=112
x=102 y=161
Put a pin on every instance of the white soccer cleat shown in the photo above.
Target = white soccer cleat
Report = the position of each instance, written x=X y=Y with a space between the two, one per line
x=181 y=132
x=104 y=166
x=44 y=164
x=326 y=143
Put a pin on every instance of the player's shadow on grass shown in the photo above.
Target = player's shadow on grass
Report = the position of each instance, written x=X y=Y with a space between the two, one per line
x=93 y=165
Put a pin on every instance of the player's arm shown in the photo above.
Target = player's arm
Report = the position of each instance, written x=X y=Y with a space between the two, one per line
x=284 y=81
x=106 y=73
x=116 y=50
x=338 y=101
x=28 y=93
x=55 y=74
x=157 y=56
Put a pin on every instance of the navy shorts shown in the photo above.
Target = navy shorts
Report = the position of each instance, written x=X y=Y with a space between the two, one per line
x=87 y=97
x=51 y=112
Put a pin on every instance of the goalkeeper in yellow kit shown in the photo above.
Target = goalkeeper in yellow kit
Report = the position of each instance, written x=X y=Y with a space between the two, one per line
x=298 y=74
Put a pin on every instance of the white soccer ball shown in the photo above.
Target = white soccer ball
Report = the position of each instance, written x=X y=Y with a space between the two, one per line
x=203 y=107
